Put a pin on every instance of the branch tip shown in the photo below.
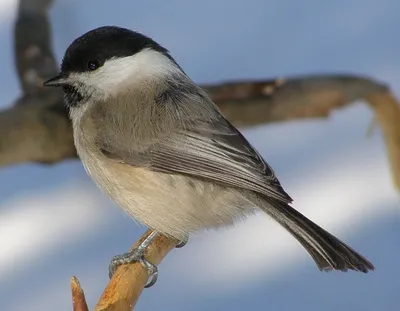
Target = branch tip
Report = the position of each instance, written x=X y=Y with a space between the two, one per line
x=126 y=285
x=78 y=296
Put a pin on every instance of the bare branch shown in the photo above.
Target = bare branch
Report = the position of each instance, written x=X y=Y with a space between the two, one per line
x=33 y=52
x=123 y=290
x=252 y=103
x=125 y=287
x=78 y=297
x=243 y=103
x=40 y=131
x=35 y=133
x=387 y=112
x=37 y=129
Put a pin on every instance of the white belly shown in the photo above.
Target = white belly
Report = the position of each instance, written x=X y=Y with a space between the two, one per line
x=171 y=204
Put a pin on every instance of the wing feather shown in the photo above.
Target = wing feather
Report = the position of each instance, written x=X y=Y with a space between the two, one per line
x=202 y=144
x=224 y=156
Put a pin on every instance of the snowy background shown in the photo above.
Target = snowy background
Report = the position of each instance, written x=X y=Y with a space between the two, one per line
x=54 y=223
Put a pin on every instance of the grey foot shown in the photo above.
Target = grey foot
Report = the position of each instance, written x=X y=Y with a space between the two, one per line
x=134 y=256
x=183 y=242
x=137 y=254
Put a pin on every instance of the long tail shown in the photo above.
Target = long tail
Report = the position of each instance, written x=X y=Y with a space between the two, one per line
x=328 y=252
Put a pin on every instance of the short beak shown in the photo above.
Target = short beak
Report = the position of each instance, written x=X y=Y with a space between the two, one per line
x=57 y=81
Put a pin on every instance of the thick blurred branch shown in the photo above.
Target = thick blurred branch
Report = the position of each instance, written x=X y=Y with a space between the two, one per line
x=33 y=51
x=387 y=112
x=258 y=102
x=37 y=128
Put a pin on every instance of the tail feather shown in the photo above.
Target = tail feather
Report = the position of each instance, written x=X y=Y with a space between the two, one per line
x=328 y=252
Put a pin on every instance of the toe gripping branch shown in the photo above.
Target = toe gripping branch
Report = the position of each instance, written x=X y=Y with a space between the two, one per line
x=138 y=254
x=124 y=289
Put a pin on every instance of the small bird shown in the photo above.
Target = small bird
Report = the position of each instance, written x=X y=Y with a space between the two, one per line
x=158 y=146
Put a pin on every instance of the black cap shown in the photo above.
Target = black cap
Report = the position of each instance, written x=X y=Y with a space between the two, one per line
x=92 y=49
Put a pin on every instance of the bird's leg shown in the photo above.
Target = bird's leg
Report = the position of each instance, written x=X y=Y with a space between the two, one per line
x=137 y=254
x=183 y=242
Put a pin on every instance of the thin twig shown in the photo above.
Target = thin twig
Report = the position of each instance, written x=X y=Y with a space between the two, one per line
x=123 y=290
x=78 y=297
x=126 y=285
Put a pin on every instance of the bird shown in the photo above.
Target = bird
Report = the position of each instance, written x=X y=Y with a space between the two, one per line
x=158 y=146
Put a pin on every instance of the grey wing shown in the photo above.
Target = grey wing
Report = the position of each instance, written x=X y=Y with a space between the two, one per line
x=213 y=150
x=202 y=144
x=216 y=151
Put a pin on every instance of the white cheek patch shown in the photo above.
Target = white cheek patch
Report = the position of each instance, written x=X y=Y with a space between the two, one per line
x=119 y=73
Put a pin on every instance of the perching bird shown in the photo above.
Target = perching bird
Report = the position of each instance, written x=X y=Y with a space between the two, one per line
x=161 y=149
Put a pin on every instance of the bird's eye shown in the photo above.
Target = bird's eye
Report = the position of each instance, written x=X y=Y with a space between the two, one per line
x=93 y=64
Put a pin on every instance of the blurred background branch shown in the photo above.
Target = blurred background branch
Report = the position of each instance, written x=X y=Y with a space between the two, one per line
x=37 y=128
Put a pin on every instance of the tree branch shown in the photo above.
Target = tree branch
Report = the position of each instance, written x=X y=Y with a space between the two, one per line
x=37 y=128
x=243 y=103
x=123 y=290
x=78 y=297
x=258 y=102
x=387 y=112
x=33 y=52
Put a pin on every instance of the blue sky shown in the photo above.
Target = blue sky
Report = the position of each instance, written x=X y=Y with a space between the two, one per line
x=54 y=223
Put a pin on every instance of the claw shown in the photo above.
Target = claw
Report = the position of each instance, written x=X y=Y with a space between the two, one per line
x=137 y=254
x=152 y=270
x=182 y=243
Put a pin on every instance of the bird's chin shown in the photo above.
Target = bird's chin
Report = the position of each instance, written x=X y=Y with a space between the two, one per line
x=72 y=96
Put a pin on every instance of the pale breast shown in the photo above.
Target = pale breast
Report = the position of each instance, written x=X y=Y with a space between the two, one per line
x=171 y=204
x=174 y=205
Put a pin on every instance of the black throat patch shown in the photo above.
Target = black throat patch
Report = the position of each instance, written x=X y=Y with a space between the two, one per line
x=72 y=97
